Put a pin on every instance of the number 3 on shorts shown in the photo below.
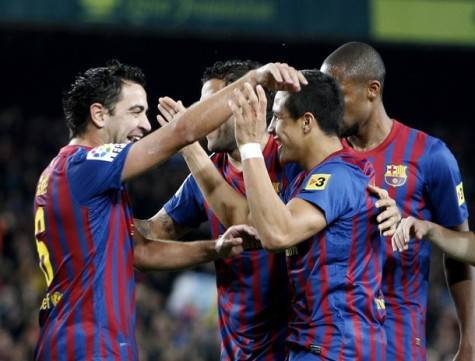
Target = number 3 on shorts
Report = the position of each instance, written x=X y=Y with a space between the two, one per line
x=43 y=254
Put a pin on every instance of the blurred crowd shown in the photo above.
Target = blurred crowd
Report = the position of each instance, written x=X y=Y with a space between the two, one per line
x=176 y=311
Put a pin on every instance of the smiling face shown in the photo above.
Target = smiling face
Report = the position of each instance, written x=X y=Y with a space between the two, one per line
x=286 y=130
x=128 y=121
x=221 y=139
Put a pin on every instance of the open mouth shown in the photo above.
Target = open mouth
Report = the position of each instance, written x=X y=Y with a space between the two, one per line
x=134 y=138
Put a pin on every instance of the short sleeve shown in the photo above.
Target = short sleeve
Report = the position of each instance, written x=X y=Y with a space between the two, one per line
x=186 y=207
x=95 y=171
x=330 y=189
x=444 y=186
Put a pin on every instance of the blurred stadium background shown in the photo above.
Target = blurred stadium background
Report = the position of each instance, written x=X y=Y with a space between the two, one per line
x=428 y=47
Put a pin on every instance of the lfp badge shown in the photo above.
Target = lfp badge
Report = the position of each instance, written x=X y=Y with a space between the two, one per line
x=395 y=175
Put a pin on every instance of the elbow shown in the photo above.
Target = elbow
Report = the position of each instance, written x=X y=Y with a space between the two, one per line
x=274 y=242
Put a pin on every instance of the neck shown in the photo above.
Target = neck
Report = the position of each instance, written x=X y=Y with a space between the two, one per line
x=318 y=150
x=87 y=140
x=373 y=132
x=234 y=156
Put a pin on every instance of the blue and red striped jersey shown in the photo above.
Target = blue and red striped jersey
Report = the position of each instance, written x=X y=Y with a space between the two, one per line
x=253 y=302
x=83 y=228
x=422 y=175
x=335 y=276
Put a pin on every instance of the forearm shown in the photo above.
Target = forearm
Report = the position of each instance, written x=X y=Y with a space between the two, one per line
x=197 y=121
x=460 y=279
x=229 y=206
x=269 y=214
x=457 y=245
x=171 y=255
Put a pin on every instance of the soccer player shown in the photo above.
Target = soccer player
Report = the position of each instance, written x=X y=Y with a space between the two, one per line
x=252 y=288
x=459 y=245
x=324 y=222
x=422 y=175
x=83 y=223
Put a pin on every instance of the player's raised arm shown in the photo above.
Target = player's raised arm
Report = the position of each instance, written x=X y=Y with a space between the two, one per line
x=229 y=206
x=202 y=117
x=279 y=225
x=171 y=255
x=459 y=245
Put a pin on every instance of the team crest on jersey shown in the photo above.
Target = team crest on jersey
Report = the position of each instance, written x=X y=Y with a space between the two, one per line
x=396 y=175
x=317 y=182
x=105 y=152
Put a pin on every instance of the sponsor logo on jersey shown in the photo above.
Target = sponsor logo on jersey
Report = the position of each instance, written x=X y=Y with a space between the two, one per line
x=396 y=175
x=317 y=182
x=105 y=152
x=292 y=251
x=460 y=195
x=51 y=300
x=42 y=186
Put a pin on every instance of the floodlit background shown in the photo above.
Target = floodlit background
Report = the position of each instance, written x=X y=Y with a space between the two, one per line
x=429 y=50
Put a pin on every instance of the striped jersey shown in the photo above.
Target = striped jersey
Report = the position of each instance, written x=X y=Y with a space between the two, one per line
x=335 y=276
x=83 y=229
x=422 y=175
x=253 y=298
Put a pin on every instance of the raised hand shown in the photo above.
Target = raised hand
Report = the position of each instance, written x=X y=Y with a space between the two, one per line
x=390 y=215
x=249 y=109
x=280 y=76
x=231 y=243
x=169 y=109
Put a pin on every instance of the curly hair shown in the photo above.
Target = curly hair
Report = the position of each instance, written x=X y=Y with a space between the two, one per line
x=96 y=85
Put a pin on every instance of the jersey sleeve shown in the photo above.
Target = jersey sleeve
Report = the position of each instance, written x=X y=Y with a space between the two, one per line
x=444 y=187
x=186 y=207
x=329 y=188
x=95 y=171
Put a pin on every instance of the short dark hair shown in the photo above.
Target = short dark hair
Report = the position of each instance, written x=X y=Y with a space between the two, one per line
x=102 y=85
x=322 y=97
x=229 y=70
x=359 y=61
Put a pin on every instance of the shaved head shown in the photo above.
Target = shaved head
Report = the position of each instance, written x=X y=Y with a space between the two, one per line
x=357 y=61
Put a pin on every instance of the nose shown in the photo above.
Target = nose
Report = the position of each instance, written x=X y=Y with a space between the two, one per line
x=144 y=124
x=271 y=127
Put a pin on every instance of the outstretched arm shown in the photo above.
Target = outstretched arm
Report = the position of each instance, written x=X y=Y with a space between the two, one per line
x=458 y=246
x=203 y=117
x=229 y=206
x=170 y=255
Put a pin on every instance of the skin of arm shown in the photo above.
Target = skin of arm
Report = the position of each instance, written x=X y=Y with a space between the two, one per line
x=458 y=246
x=279 y=226
x=203 y=117
x=159 y=255
x=460 y=279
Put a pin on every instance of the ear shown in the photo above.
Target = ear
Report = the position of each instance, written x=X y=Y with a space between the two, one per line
x=307 y=122
x=374 y=89
x=97 y=111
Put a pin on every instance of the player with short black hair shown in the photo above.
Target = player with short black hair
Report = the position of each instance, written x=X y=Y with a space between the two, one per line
x=422 y=175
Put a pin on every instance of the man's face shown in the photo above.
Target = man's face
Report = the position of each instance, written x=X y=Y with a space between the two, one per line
x=128 y=121
x=287 y=132
x=357 y=105
x=221 y=139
